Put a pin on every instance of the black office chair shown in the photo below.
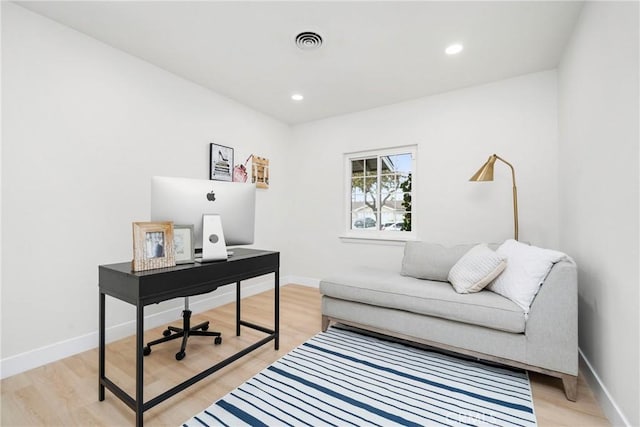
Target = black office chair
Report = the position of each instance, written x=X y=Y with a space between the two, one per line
x=172 y=333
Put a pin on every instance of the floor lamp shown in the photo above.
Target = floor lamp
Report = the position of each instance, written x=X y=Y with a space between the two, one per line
x=485 y=173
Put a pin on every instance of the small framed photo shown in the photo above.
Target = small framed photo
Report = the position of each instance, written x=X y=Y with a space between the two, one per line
x=260 y=172
x=220 y=162
x=153 y=245
x=184 y=245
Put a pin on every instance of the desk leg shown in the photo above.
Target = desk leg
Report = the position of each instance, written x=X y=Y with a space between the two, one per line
x=101 y=343
x=276 y=327
x=139 y=364
x=237 y=309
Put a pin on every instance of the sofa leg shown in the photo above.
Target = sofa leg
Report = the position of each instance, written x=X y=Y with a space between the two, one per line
x=325 y=323
x=570 y=384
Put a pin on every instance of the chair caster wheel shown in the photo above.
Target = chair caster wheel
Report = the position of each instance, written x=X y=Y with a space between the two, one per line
x=166 y=332
x=180 y=355
x=217 y=340
x=146 y=351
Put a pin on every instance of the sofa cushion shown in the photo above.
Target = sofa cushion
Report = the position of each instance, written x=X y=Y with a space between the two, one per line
x=432 y=298
x=476 y=269
x=431 y=261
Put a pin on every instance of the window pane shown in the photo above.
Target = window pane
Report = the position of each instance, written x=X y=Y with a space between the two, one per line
x=406 y=225
x=357 y=168
x=371 y=167
x=363 y=218
x=396 y=163
x=393 y=202
x=389 y=182
x=404 y=179
x=357 y=200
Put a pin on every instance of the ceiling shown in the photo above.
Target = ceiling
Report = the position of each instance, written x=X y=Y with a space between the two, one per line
x=373 y=53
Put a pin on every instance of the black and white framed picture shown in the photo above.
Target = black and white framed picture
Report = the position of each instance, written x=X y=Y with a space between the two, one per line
x=220 y=162
x=184 y=244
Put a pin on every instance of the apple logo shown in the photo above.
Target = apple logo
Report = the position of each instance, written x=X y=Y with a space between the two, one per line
x=211 y=196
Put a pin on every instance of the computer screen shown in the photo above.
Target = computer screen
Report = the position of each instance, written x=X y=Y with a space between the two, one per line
x=185 y=200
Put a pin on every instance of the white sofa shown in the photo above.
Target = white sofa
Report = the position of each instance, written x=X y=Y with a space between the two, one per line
x=484 y=325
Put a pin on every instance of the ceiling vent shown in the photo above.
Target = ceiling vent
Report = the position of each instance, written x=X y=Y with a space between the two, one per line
x=308 y=40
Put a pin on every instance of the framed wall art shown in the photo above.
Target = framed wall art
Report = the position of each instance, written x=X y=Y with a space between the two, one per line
x=153 y=245
x=240 y=173
x=220 y=162
x=260 y=172
x=183 y=244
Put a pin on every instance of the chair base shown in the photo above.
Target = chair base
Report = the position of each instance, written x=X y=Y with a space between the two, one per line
x=172 y=333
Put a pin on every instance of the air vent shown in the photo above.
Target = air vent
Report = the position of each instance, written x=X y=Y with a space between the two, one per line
x=308 y=40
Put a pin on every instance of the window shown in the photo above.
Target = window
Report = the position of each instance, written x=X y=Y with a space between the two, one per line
x=379 y=192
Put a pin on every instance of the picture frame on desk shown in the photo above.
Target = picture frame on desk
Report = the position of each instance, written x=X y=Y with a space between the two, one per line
x=153 y=245
x=220 y=162
x=184 y=244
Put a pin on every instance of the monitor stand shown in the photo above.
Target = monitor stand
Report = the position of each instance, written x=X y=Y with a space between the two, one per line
x=214 y=247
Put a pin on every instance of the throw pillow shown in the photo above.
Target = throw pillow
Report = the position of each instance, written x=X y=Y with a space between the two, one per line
x=476 y=269
x=527 y=267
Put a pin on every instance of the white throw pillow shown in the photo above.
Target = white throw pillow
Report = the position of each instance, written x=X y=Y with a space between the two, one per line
x=479 y=266
x=527 y=267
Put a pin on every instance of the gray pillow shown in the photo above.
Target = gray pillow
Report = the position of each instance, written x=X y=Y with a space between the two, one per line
x=432 y=261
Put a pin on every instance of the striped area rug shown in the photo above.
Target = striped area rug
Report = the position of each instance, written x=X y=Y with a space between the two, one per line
x=341 y=378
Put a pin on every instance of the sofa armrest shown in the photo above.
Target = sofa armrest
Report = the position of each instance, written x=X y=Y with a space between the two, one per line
x=552 y=325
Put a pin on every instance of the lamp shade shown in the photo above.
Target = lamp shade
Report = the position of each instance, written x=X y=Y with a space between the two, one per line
x=485 y=173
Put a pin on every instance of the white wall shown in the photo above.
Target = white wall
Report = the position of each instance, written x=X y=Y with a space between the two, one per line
x=455 y=133
x=85 y=126
x=598 y=118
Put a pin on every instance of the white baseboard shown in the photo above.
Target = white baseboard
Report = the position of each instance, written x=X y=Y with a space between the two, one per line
x=611 y=410
x=22 y=362
x=304 y=281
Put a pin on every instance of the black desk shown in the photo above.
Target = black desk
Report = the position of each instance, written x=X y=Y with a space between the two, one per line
x=153 y=286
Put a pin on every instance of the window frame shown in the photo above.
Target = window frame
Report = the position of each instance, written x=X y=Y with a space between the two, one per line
x=351 y=234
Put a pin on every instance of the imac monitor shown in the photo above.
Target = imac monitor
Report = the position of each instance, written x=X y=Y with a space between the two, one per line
x=185 y=200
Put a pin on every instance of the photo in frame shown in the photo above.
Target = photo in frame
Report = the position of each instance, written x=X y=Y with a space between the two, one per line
x=220 y=162
x=260 y=171
x=153 y=245
x=184 y=244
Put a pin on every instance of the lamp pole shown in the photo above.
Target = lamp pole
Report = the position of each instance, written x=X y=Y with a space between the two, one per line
x=485 y=173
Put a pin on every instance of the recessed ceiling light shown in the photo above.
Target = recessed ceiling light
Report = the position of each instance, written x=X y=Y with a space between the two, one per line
x=454 y=49
x=297 y=97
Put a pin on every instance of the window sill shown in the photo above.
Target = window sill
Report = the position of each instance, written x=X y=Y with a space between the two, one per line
x=377 y=239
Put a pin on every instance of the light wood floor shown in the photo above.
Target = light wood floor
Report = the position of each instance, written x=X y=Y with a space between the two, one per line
x=65 y=393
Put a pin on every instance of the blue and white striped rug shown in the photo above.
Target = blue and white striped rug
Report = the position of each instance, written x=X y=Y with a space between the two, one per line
x=341 y=378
